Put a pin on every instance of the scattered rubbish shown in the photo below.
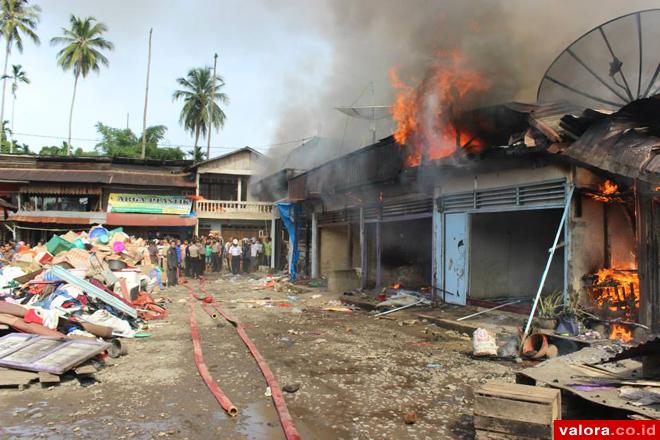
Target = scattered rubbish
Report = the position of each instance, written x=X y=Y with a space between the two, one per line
x=640 y=396
x=488 y=310
x=535 y=346
x=433 y=366
x=483 y=343
x=410 y=418
x=291 y=388
x=44 y=353
x=117 y=349
x=268 y=392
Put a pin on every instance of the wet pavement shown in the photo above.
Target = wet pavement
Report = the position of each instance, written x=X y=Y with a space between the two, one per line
x=358 y=376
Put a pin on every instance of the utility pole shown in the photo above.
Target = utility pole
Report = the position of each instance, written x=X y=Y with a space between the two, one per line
x=146 y=99
x=128 y=118
x=208 y=147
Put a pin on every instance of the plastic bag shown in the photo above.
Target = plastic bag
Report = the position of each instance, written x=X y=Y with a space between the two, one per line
x=483 y=343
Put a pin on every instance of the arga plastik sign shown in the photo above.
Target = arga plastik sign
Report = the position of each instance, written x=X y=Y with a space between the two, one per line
x=149 y=204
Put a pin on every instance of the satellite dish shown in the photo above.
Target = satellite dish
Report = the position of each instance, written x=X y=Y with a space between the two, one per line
x=371 y=113
x=610 y=66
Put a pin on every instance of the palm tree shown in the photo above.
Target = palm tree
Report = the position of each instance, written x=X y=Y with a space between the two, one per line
x=196 y=154
x=17 y=19
x=199 y=95
x=83 y=43
x=18 y=75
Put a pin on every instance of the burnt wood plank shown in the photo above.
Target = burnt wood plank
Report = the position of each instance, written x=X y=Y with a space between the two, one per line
x=513 y=410
x=513 y=427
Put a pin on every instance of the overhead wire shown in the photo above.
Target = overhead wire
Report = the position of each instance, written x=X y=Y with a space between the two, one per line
x=217 y=147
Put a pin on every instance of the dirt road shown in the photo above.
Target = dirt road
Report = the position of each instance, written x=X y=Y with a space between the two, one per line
x=358 y=376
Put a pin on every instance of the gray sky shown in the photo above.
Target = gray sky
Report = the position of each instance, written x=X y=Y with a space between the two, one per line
x=257 y=47
x=286 y=63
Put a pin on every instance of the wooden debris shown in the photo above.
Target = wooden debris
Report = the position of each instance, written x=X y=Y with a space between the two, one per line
x=47 y=378
x=512 y=411
x=16 y=378
x=85 y=370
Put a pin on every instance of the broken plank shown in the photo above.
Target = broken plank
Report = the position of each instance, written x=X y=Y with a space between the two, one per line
x=489 y=435
x=512 y=427
x=85 y=369
x=9 y=377
x=520 y=392
x=45 y=377
x=513 y=410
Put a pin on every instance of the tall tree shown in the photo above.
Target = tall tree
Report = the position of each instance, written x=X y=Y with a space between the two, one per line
x=122 y=142
x=200 y=95
x=17 y=76
x=18 y=19
x=83 y=42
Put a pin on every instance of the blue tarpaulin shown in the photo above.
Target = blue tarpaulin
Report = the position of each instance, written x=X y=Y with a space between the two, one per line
x=289 y=213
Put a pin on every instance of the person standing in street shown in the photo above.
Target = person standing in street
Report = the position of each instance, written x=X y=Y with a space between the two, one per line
x=194 y=253
x=235 y=252
x=216 y=256
x=172 y=265
x=185 y=258
x=247 y=250
x=268 y=251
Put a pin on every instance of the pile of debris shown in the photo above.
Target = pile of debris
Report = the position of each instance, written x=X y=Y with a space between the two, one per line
x=68 y=301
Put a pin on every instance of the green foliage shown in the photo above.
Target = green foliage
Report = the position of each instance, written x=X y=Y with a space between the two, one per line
x=18 y=19
x=197 y=154
x=551 y=305
x=122 y=142
x=13 y=147
x=82 y=43
x=200 y=96
x=18 y=75
x=63 y=150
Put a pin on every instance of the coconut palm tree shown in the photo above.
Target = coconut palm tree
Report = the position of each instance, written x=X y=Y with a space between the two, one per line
x=199 y=95
x=196 y=154
x=18 y=19
x=83 y=42
x=18 y=75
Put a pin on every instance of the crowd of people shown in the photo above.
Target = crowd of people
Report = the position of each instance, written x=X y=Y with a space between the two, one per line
x=192 y=258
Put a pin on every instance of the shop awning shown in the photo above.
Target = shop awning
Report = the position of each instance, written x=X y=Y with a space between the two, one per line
x=125 y=219
x=65 y=189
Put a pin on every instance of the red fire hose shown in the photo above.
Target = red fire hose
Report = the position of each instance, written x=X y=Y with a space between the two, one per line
x=222 y=399
x=278 y=399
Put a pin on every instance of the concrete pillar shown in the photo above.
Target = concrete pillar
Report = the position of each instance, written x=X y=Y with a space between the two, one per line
x=363 y=250
x=315 y=245
x=240 y=189
x=272 y=236
x=195 y=203
x=378 y=254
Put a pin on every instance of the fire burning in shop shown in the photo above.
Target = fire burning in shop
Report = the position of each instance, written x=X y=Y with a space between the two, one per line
x=615 y=290
x=425 y=115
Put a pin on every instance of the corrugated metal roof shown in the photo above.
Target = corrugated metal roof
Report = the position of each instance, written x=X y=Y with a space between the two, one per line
x=101 y=177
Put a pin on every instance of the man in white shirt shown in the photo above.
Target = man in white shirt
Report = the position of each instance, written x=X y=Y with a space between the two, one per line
x=235 y=252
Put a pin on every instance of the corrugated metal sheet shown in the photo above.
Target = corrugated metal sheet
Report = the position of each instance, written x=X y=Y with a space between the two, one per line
x=100 y=177
x=77 y=190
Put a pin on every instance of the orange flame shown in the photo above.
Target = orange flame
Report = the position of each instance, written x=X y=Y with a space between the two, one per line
x=424 y=114
x=608 y=187
x=606 y=192
x=618 y=290
x=620 y=332
x=396 y=286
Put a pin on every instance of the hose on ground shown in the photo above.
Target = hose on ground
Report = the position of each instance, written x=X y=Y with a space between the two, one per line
x=278 y=398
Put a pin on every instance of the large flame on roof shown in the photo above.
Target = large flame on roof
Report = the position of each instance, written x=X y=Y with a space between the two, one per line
x=424 y=114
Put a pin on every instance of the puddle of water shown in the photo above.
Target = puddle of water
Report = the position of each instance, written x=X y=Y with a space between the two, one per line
x=259 y=422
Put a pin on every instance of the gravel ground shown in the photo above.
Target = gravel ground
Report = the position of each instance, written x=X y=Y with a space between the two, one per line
x=358 y=376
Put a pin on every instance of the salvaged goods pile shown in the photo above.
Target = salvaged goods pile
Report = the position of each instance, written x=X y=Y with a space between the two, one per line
x=68 y=302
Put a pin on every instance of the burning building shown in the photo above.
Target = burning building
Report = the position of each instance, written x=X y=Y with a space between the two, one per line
x=467 y=200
